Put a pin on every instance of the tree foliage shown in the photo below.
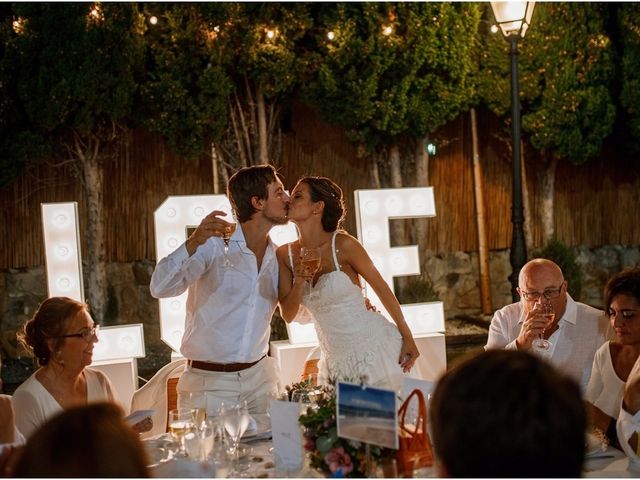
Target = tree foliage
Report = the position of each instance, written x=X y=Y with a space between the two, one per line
x=566 y=66
x=392 y=69
x=185 y=87
x=629 y=24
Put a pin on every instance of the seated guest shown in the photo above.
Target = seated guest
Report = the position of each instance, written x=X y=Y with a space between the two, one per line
x=507 y=414
x=628 y=424
x=85 y=441
x=61 y=336
x=575 y=334
x=614 y=360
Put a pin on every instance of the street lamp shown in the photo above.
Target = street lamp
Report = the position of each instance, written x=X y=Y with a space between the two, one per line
x=514 y=19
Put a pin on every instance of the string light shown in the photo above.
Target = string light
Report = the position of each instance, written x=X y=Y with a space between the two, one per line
x=18 y=26
x=95 y=14
x=270 y=34
x=153 y=20
x=494 y=29
x=331 y=36
x=387 y=30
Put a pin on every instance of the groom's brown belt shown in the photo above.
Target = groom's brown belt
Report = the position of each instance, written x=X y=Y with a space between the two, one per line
x=222 y=367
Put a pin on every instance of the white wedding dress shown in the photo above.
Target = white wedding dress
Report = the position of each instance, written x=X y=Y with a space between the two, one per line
x=356 y=344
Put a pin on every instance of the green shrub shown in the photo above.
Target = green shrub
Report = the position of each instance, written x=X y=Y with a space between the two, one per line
x=566 y=259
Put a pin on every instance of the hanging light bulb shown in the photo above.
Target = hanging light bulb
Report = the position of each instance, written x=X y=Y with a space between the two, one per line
x=270 y=34
x=153 y=20
x=387 y=30
x=331 y=36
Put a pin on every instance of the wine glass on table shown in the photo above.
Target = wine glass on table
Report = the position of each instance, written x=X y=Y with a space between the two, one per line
x=226 y=237
x=235 y=419
x=181 y=422
x=310 y=261
x=542 y=344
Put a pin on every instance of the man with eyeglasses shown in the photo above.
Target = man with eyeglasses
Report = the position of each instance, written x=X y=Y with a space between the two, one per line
x=573 y=336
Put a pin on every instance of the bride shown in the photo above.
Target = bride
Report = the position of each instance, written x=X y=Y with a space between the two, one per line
x=356 y=343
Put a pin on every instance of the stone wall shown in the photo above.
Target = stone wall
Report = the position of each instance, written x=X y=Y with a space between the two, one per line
x=454 y=275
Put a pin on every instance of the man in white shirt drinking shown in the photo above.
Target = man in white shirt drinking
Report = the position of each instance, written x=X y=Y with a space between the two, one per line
x=232 y=295
x=574 y=335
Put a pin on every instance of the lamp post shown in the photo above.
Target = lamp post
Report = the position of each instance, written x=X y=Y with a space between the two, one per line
x=514 y=19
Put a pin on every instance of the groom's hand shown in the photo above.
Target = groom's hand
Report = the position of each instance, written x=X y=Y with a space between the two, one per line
x=211 y=226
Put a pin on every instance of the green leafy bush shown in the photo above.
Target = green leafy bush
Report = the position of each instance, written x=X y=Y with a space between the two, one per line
x=566 y=259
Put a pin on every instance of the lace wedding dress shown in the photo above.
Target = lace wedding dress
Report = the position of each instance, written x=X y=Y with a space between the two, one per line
x=356 y=344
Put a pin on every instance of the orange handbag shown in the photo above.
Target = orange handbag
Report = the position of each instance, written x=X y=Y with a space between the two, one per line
x=415 y=450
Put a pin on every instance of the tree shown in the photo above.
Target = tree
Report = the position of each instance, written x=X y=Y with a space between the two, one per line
x=75 y=67
x=265 y=61
x=566 y=70
x=629 y=24
x=393 y=72
x=183 y=95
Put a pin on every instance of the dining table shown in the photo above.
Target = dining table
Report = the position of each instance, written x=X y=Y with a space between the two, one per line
x=257 y=459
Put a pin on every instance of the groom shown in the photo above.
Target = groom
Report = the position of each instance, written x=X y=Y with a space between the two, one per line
x=229 y=309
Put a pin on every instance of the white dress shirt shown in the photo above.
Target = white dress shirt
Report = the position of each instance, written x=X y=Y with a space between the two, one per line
x=581 y=331
x=229 y=309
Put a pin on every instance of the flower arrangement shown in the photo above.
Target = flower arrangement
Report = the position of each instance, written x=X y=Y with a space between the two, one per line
x=334 y=456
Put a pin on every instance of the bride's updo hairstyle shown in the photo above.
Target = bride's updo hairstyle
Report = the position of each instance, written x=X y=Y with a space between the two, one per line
x=327 y=191
x=49 y=323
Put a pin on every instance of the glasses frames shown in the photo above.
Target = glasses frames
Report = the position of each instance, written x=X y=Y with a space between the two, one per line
x=87 y=334
x=549 y=294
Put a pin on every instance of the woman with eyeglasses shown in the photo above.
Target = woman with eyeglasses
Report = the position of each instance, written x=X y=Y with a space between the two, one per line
x=61 y=336
x=615 y=359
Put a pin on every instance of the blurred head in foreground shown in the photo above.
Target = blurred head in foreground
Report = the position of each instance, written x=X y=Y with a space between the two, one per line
x=87 y=441
x=505 y=413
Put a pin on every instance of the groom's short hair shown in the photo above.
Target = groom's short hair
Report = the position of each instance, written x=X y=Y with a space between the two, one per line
x=505 y=413
x=246 y=183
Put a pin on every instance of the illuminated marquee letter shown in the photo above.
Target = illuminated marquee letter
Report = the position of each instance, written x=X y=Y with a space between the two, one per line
x=63 y=262
x=171 y=220
x=374 y=209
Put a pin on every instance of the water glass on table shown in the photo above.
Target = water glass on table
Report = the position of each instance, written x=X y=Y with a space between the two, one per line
x=235 y=418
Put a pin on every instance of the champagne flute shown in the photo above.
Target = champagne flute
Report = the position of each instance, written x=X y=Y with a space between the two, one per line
x=548 y=314
x=226 y=237
x=310 y=260
x=181 y=422
x=198 y=402
x=236 y=421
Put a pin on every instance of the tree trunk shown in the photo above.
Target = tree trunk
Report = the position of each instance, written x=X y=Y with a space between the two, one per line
x=375 y=171
x=88 y=154
x=214 y=168
x=397 y=229
x=547 y=190
x=263 y=140
x=481 y=220
x=422 y=180
x=526 y=204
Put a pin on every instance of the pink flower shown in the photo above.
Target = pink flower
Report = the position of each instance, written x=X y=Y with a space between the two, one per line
x=338 y=459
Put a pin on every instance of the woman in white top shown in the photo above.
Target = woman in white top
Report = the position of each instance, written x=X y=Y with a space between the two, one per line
x=357 y=344
x=61 y=336
x=614 y=360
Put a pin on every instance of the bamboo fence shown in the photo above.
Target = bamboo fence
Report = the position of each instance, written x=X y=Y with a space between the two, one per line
x=596 y=203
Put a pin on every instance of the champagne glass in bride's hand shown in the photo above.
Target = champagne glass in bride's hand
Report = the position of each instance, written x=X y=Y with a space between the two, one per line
x=547 y=313
x=226 y=237
x=236 y=421
x=310 y=261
